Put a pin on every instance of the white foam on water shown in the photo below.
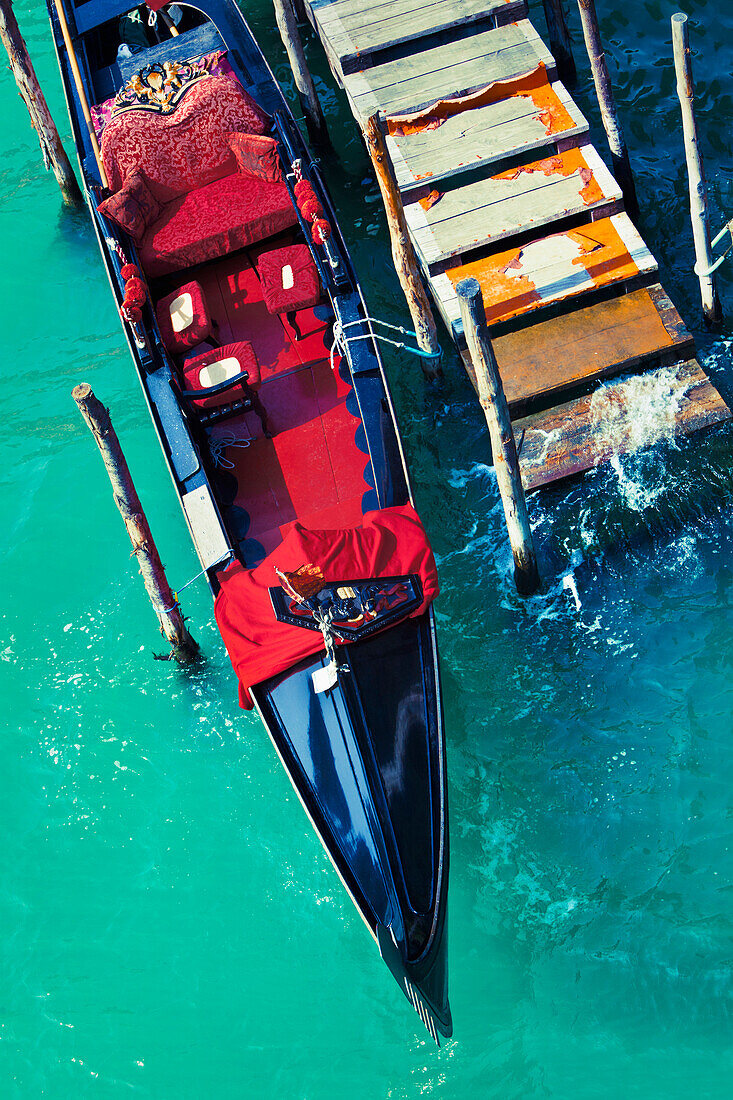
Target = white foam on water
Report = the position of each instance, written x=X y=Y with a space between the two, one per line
x=637 y=412
x=568 y=582
x=633 y=414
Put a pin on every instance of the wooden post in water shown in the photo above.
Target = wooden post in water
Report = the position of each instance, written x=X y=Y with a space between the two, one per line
x=609 y=116
x=496 y=411
x=54 y=154
x=695 y=171
x=560 y=42
x=403 y=252
x=164 y=602
x=288 y=26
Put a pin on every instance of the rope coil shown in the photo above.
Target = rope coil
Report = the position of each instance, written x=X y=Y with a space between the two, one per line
x=219 y=444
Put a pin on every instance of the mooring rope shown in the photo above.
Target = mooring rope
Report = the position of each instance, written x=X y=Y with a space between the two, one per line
x=342 y=340
x=175 y=591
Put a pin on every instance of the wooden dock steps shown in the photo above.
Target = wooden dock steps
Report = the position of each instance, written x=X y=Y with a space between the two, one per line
x=529 y=114
x=360 y=32
x=618 y=418
x=500 y=184
x=573 y=264
x=519 y=201
x=452 y=69
x=541 y=364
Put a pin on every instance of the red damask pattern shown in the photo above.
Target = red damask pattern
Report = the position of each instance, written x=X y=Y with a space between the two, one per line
x=187 y=149
x=134 y=207
x=306 y=289
x=256 y=156
x=242 y=351
x=211 y=221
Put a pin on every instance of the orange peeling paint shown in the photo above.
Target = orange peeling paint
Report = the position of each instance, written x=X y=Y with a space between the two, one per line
x=534 y=84
x=430 y=199
x=604 y=256
x=499 y=289
x=562 y=165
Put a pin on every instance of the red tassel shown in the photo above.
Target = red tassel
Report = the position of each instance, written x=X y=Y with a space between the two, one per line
x=303 y=190
x=130 y=271
x=311 y=209
x=135 y=292
x=321 y=231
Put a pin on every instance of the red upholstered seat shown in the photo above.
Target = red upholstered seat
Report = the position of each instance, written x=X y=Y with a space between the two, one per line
x=209 y=208
x=289 y=279
x=187 y=148
x=183 y=318
x=222 y=216
x=217 y=366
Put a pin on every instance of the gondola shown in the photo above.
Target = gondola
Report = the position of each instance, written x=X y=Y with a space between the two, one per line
x=259 y=366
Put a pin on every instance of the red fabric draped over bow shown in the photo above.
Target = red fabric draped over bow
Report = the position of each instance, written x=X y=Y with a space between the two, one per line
x=390 y=542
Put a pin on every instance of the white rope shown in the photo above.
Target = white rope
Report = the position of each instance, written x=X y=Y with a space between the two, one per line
x=219 y=444
x=224 y=557
x=342 y=341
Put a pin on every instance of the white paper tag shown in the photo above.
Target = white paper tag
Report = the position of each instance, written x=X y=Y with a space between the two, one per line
x=325 y=678
x=288 y=277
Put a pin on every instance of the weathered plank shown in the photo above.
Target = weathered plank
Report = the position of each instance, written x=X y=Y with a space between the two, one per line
x=491 y=210
x=450 y=69
x=556 y=356
x=552 y=269
x=537 y=118
x=357 y=32
x=618 y=418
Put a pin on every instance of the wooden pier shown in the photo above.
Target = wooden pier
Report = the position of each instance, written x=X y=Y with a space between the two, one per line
x=501 y=184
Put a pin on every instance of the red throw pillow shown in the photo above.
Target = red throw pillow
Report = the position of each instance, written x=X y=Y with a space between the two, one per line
x=134 y=207
x=256 y=156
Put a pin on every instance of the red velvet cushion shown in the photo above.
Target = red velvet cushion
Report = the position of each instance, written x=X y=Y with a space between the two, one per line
x=187 y=148
x=290 y=265
x=226 y=215
x=196 y=330
x=256 y=156
x=246 y=358
x=134 y=207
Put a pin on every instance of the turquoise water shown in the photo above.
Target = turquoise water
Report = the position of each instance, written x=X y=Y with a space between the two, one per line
x=170 y=925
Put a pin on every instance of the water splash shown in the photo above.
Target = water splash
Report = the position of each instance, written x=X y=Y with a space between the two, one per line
x=632 y=415
x=568 y=582
x=637 y=412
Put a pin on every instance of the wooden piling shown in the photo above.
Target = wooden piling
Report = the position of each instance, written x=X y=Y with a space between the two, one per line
x=166 y=607
x=496 y=411
x=609 y=115
x=560 y=42
x=79 y=85
x=54 y=154
x=403 y=252
x=695 y=171
x=288 y=26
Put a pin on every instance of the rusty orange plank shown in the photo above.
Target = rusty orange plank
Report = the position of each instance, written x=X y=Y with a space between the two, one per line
x=560 y=266
x=539 y=364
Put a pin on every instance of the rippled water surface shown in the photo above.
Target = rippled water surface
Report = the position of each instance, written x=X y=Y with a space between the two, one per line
x=170 y=925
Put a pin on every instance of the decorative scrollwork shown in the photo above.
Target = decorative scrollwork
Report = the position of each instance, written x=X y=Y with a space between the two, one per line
x=161 y=86
x=349 y=610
